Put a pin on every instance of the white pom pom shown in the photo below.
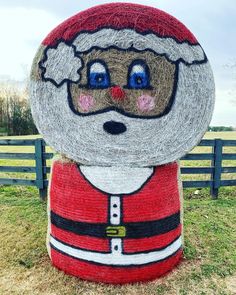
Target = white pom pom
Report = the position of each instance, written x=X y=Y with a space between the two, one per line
x=61 y=64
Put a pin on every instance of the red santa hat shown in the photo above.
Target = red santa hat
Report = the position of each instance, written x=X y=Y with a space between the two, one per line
x=126 y=26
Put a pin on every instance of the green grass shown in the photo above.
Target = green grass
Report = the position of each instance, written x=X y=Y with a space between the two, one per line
x=208 y=266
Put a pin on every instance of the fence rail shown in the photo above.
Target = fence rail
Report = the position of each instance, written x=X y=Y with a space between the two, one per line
x=40 y=156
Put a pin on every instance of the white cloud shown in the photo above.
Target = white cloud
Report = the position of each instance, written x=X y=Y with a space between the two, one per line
x=225 y=109
x=22 y=30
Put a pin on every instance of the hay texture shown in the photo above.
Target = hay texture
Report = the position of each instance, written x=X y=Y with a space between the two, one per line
x=183 y=104
x=122 y=91
x=88 y=205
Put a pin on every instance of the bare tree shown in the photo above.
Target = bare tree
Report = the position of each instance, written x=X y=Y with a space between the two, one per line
x=15 y=114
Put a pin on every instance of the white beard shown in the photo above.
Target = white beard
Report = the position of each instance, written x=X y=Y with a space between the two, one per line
x=147 y=142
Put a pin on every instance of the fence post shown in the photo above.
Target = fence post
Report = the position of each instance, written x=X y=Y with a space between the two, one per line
x=40 y=163
x=217 y=165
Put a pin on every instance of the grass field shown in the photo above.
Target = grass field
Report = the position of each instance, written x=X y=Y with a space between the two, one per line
x=209 y=265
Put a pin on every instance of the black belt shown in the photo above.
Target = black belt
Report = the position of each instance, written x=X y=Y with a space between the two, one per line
x=130 y=230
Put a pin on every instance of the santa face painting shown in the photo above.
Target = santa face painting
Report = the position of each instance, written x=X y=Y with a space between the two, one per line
x=123 y=91
x=133 y=83
x=134 y=90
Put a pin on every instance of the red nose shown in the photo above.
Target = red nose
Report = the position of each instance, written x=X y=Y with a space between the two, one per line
x=117 y=93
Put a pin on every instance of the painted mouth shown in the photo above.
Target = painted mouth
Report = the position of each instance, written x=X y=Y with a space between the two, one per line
x=114 y=128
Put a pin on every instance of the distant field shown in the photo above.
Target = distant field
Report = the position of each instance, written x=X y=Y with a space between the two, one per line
x=19 y=149
x=21 y=137
x=231 y=135
x=209 y=135
x=222 y=135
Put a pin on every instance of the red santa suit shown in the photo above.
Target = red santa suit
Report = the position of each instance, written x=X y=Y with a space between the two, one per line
x=97 y=233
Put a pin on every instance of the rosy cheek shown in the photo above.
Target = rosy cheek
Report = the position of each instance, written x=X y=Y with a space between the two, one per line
x=85 y=102
x=146 y=103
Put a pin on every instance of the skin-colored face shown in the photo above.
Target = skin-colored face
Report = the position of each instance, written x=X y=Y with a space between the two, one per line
x=146 y=82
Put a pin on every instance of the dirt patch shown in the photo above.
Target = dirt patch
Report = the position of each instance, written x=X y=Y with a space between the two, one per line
x=231 y=284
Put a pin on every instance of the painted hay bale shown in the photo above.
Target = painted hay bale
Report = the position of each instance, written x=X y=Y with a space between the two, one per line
x=122 y=91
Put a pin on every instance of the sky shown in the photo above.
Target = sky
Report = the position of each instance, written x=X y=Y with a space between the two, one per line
x=25 y=23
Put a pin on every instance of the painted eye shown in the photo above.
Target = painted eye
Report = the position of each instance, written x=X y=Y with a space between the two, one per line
x=98 y=75
x=139 y=77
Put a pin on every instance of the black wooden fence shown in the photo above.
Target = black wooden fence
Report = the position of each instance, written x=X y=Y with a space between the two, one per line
x=41 y=169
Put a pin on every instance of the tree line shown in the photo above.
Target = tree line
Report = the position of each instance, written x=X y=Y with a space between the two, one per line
x=220 y=128
x=16 y=117
x=15 y=113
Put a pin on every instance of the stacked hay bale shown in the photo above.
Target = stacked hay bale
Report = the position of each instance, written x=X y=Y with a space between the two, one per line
x=122 y=91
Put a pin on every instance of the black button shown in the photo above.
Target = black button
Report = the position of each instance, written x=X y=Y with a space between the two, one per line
x=116 y=247
x=114 y=206
x=114 y=215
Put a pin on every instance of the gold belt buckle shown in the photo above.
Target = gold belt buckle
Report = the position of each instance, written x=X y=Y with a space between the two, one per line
x=116 y=231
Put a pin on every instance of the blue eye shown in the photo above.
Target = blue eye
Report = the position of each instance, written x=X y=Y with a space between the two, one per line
x=139 y=76
x=98 y=76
